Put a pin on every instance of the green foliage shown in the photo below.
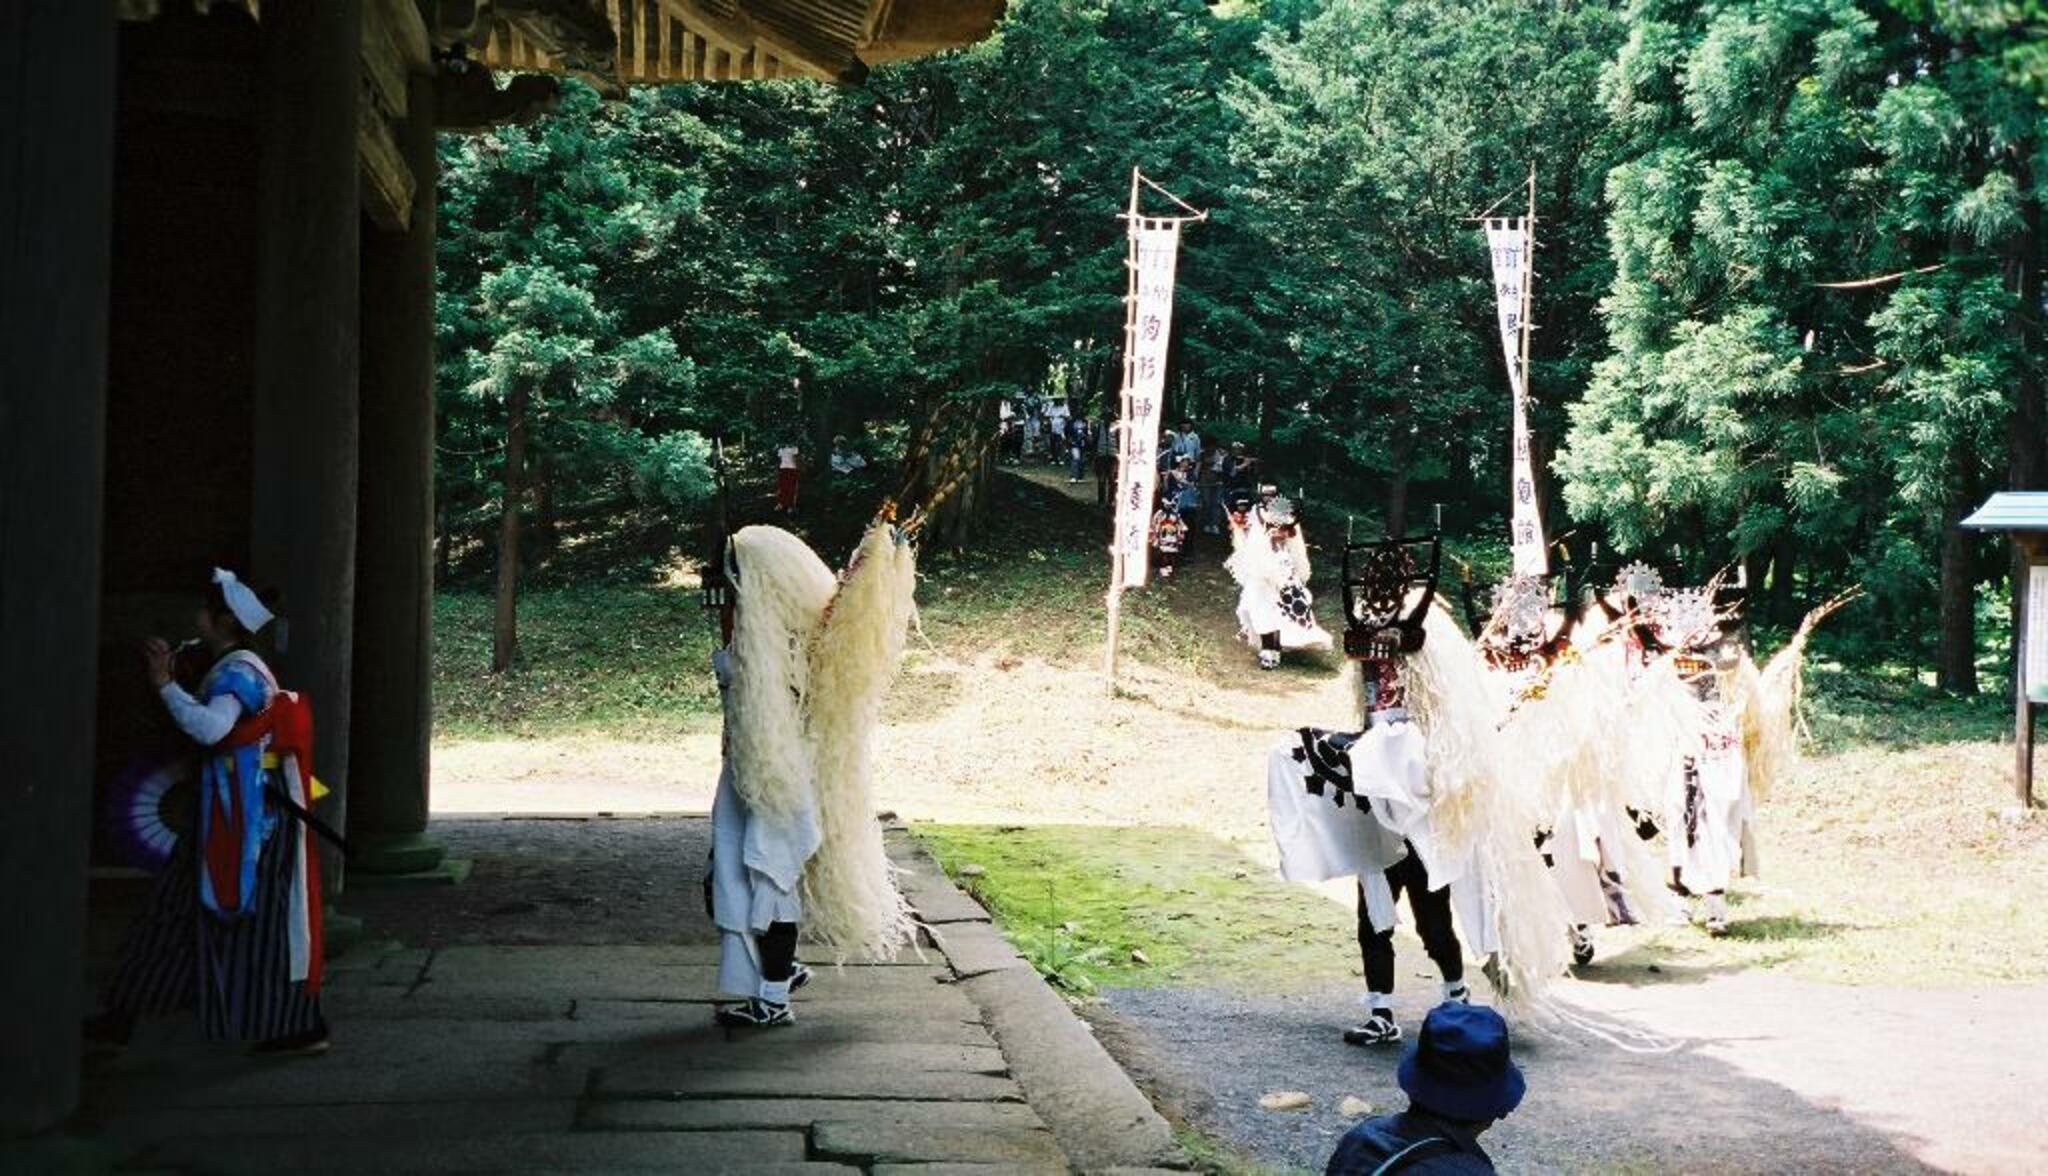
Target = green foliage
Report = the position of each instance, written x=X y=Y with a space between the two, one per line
x=1749 y=409
x=784 y=262
x=611 y=660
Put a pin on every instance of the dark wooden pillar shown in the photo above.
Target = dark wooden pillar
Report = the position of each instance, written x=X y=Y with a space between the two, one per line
x=303 y=518
x=392 y=715
x=56 y=179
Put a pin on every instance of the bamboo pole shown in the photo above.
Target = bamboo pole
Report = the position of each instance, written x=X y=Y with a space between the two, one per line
x=1115 y=601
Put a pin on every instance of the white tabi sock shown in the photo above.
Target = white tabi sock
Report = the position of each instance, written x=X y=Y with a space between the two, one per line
x=1379 y=1001
x=775 y=991
x=1457 y=990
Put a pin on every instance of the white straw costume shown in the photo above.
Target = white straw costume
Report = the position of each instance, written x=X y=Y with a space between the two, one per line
x=794 y=835
x=1466 y=782
x=1273 y=595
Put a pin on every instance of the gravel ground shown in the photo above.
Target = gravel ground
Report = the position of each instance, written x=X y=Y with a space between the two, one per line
x=1766 y=1074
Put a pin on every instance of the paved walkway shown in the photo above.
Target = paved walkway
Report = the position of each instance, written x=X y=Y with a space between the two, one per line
x=554 y=1014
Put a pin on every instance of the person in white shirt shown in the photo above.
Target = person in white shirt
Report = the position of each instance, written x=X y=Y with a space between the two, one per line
x=1056 y=430
x=787 y=473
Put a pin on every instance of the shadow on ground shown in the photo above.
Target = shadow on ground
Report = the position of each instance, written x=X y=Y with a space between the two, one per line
x=1209 y=1054
x=554 y=1014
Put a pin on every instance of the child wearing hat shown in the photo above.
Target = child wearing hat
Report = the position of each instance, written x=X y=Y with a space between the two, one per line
x=1460 y=1080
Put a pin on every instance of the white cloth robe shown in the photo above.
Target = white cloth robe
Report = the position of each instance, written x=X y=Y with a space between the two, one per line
x=1726 y=843
x=757 y=865
x=1319 y=841
x=1262 y=571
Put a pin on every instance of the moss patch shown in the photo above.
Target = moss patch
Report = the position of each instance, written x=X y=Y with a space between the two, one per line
x=1198 y=910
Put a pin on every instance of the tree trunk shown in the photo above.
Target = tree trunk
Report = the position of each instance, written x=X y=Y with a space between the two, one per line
x=442 y=542
x=1784 y=566
x=1397 y=501
x=546 y=523
x=505 y=631
x=1955 y=658
x=1269 y=394
x=2026 y=430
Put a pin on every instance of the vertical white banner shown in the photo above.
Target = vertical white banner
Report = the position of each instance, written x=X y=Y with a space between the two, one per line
x=1508 y=241
x=1157 y=250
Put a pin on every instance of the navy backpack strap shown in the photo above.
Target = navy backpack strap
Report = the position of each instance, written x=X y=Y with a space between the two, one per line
x=1399 y=1159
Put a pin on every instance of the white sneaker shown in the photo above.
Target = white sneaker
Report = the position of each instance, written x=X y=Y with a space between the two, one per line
x=1269 y=659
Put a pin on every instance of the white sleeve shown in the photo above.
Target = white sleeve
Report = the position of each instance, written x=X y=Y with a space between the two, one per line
x=208 y=723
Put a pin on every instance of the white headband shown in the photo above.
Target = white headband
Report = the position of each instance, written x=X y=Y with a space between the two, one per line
x=242 y=601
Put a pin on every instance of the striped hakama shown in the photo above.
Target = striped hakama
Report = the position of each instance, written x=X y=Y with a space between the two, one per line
x=237 y=972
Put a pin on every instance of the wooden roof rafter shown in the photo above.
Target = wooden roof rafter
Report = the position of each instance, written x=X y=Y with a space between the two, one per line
x=616 y=44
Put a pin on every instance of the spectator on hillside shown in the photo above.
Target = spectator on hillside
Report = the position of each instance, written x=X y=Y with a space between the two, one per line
x=1079 y=445
x=1056 y=432
x=1209 y=478
x=787 y=471
x=1174 y=487
x=845 y=460
x=1243 y=470
x=1031 y=432
x=1460 y=1080
x=1105 y=460
x=1011 y=444
x=1188 y=496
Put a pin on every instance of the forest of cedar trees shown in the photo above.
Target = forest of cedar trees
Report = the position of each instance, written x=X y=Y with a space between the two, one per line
x=1788 y=284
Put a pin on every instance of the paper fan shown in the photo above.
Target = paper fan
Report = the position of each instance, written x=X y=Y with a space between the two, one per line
x=142 y=814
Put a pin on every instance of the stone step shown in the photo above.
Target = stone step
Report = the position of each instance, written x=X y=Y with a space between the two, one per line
x=658 y=1077
x=406 y=1120
x=898 y=1143
x=693 y=1152
x=419 y=1066
x=700 y=1114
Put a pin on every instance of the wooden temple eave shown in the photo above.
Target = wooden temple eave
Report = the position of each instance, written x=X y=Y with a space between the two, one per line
x=151 y=9
x=395 y=49
x=658 y=42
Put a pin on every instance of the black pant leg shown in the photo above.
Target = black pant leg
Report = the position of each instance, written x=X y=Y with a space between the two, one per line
x=1377 y=949
x=1432 y=911
x=778 y=952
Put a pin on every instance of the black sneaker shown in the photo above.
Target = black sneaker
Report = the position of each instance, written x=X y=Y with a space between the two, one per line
x=1582 y=946
x=798 y=978
x=755 y=1014
x=1379 y=1029
x=295 y=1045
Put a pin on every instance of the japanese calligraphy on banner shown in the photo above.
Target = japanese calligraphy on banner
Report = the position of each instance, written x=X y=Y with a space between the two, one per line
x=1509 y=242
x=1156 y=247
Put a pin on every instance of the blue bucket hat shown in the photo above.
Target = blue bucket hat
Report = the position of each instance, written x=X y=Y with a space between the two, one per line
x=1459 y=1065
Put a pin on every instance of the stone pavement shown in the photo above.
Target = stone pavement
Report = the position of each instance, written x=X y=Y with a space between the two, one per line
x=554 y=1014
